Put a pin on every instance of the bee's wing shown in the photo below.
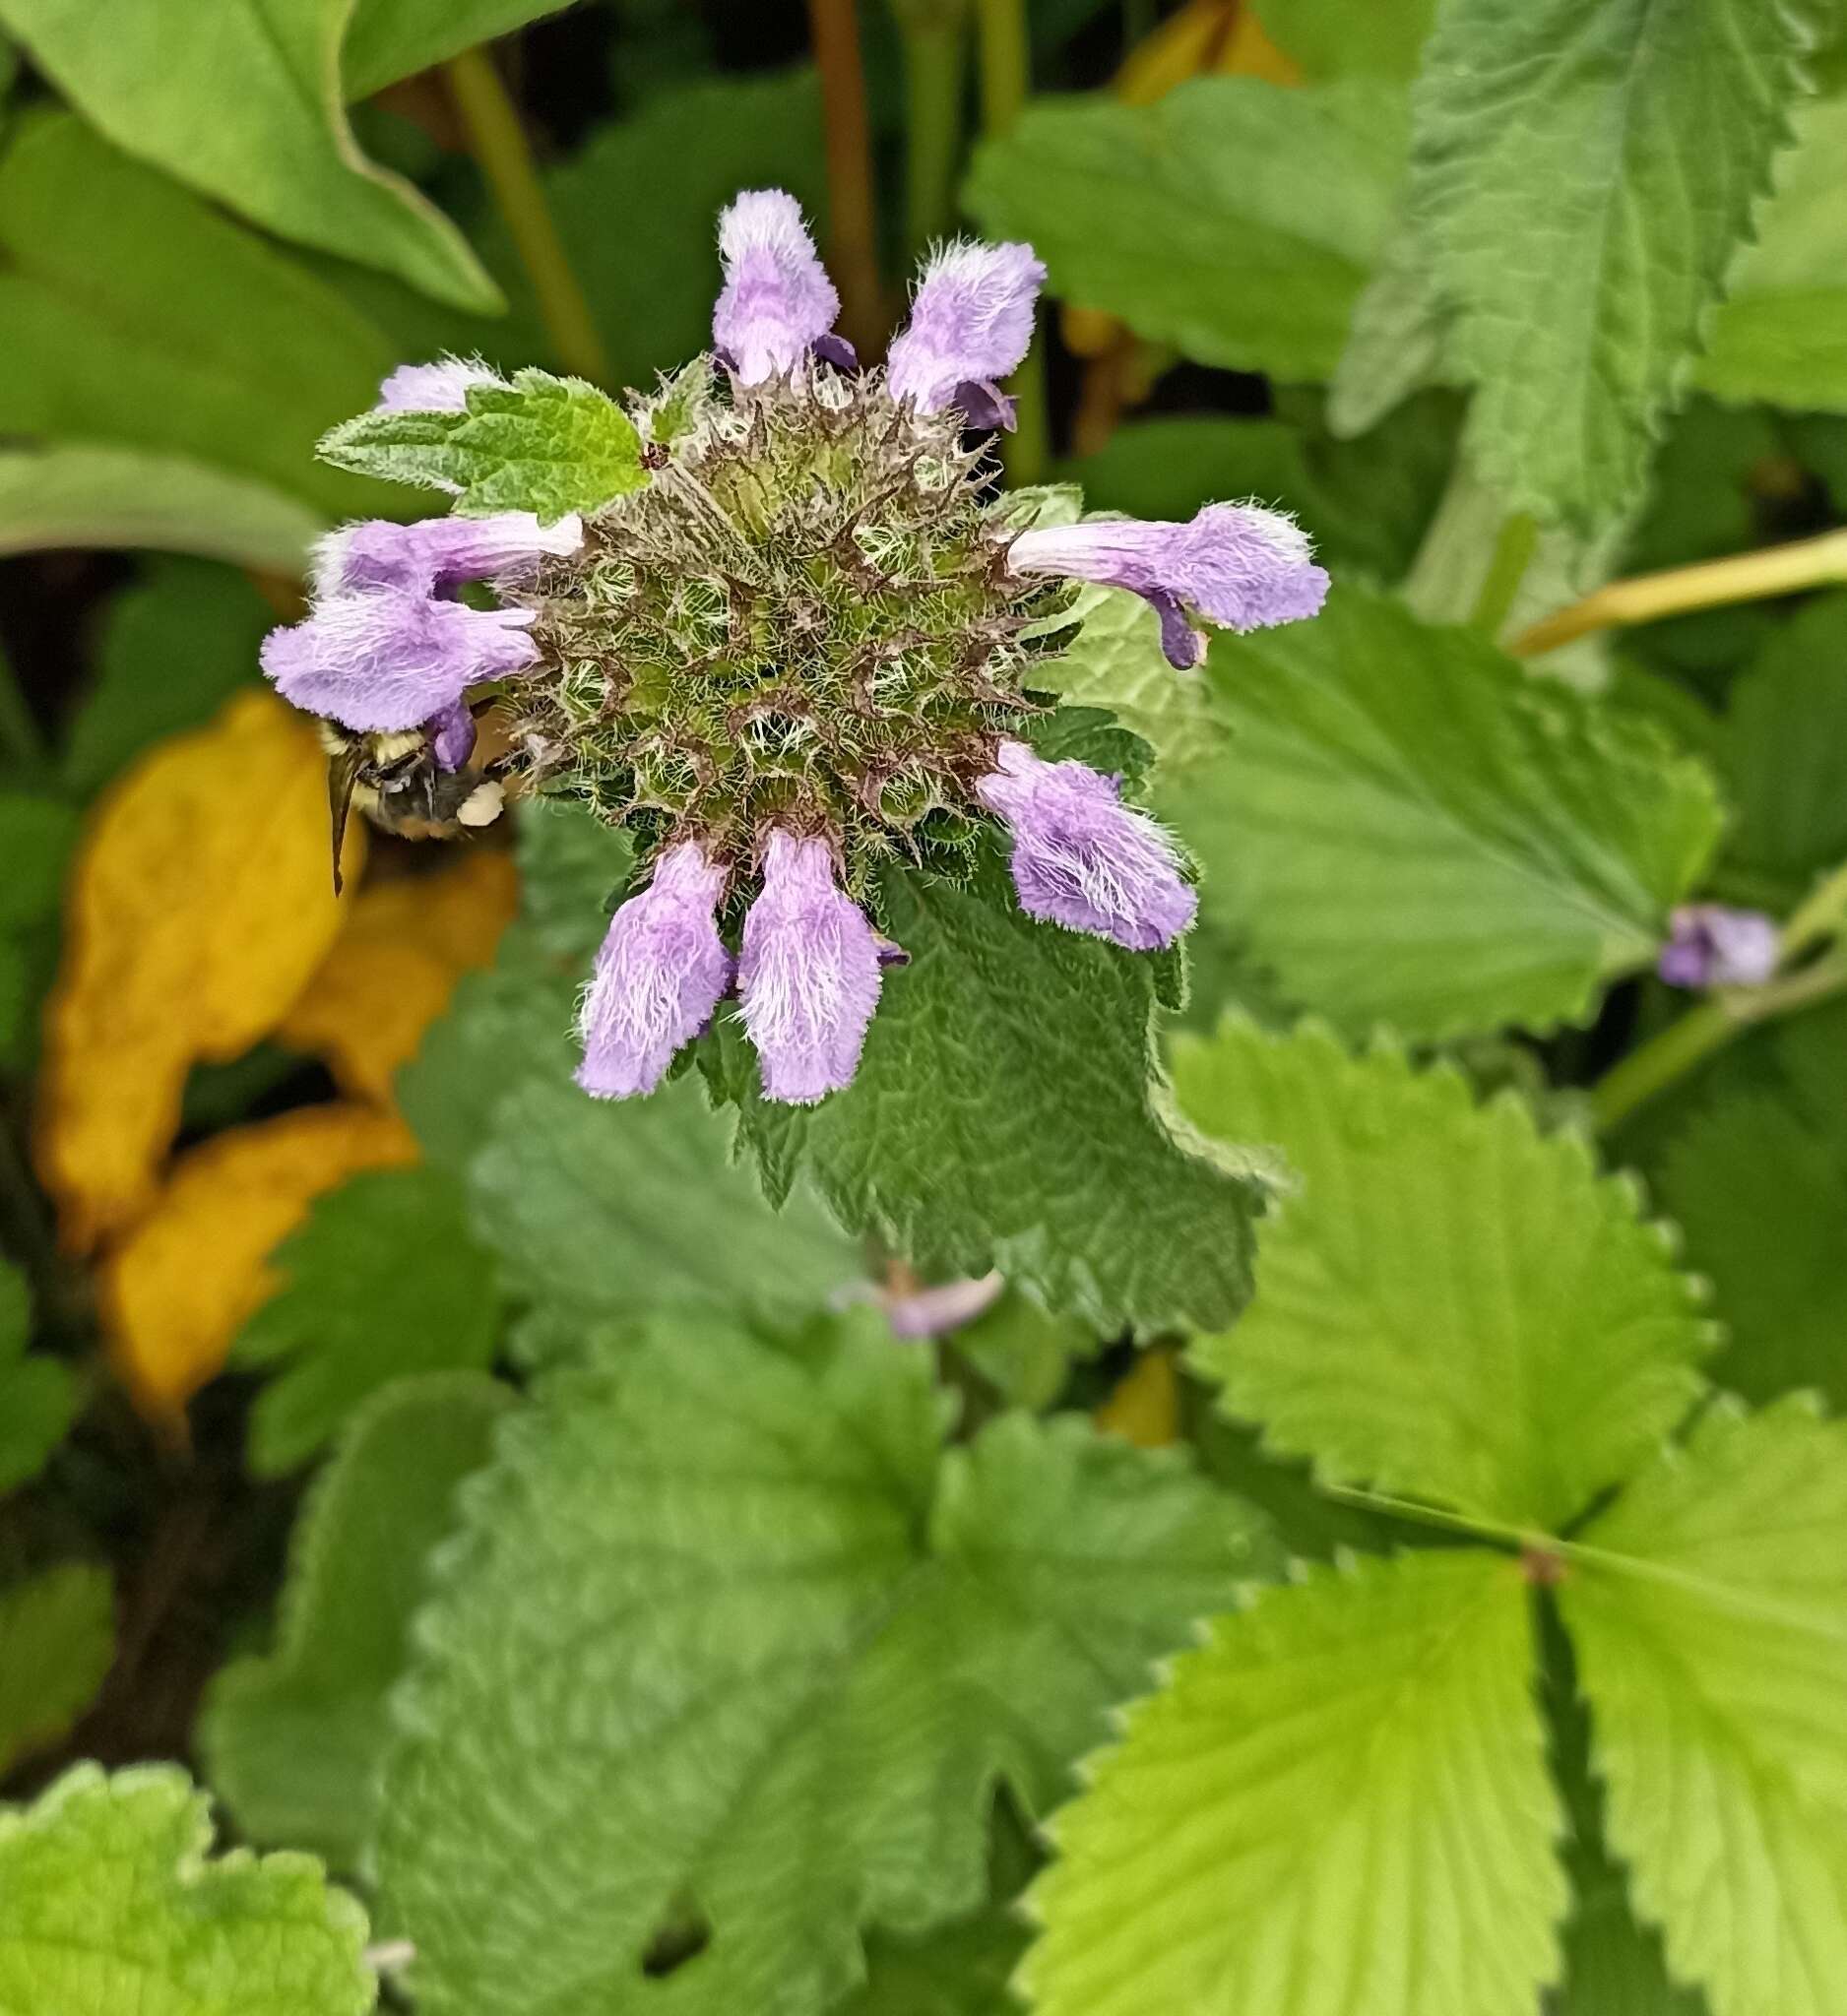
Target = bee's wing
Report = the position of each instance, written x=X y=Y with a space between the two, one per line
x=342 y=774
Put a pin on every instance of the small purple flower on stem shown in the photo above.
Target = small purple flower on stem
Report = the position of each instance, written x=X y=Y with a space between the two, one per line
x=810 y=974
x=1234 y=564
x=660 y=972
x=1715 y=945
x=777 y=303
x=436 y=554
x=970 y=324
x=392 y=659
x=916 y=1310
x=1081 y=857
x=439 y=388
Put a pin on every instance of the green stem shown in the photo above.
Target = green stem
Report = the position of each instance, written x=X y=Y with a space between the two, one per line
x=1696 y=1035
x=852 y=206
x=1506 y=568
x=499 y=144
x=19 y=734
x=1006 y=77
x=934 y=53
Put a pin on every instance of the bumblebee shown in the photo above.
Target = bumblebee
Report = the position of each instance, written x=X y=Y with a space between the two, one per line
x=396 y=781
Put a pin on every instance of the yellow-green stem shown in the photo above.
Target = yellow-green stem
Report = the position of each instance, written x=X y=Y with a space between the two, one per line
x=1740 y=578
x=935 y=54
x=1006 y=69
x=497 y=141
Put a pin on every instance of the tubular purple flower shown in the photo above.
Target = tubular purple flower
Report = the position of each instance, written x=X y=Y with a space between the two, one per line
x=1234 y=564
x=437 y=553
x=438 y=388
x=1713 y=945
x=1081 y=857
x=970 y=324
x=451 y=736
x=810 y=974
x=777 y=302
x=391 y=659
x=660 y=972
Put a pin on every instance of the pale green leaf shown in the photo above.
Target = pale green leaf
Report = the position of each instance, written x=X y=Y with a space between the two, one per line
x=1338 y=1806
x=1582 y=177
x=1342 y=37
x=1709 y=1613
x=735 y=1647
x=384 y=1280
x=78 y=494
x=1186 y=218
x=601 y=1209
x=38 y=1394
x=1450 y=1304
x=1396 y=341
x=1115 y=662
x=1761 y=1192
x=1782 y=335
x=110 y=1902
x=242 y=101
x=1009 y=1112
x=295 y=1740
x=174 y=645
x=135 y=314
x=1416 y=832
x=543 y=444
x=57 y=1636
x=1784 y=753
x=387 y=39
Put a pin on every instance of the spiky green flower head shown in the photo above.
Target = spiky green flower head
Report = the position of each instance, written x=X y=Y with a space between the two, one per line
x=778 y=620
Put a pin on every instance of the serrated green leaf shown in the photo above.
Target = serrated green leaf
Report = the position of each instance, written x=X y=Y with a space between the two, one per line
x=541 y=444
x=1338 y=1806
x=296 y=1741
x=242 y=101
x=38 y=1394
x=959 y=1969
x=1761 y=1192
x=57 y=1636
x=136 y=315
x=1395 y=341
x=1709 y=1614
x=1009 y=1112
x=36 y=835
x=384 y=1280
x=736 y=1644
x=1115 y=662
x=1185 y=218
x=1782 y=335
x=1784 y=752
x=1451 y=1306
x=174 y=645
x=1581 y=223
x=109 y=1901
x=78 y=494
x=1417 y=833
x=596 y=1209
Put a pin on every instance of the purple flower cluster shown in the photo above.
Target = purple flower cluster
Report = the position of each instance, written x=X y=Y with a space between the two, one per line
x=1713 y=945
x=391 y=646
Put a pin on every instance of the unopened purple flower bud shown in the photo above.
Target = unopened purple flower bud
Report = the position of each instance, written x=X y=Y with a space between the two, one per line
x=1234 y=564
x=451 y=736
x=970 y=324
x=389 y=659
x=1081 y=857
x=777 y=302
x=810 y=974
x=660 y=972
x=1715 y=945
x=935 y=1311
x=437 y=553
x=439 y=388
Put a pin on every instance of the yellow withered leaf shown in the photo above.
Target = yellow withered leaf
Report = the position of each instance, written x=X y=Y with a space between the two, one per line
x=395 y=965
x=179 y=1289
x=199 y=905
x=1145 y=1408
